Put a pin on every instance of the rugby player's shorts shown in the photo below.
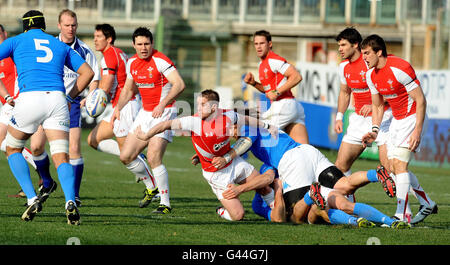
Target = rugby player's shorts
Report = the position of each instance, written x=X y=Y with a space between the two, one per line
x=128 y=114
x=46 y=108
x=400 y=132
x=234 y=173
x=284 y=112
x=301 y=166
x=5 y=113
x=147 y=121
x=360 y=125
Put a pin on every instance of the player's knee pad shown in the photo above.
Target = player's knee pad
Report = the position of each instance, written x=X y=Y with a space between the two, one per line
x=330 y=176
x=59 y=146
x=400 y=153
x=12 y=142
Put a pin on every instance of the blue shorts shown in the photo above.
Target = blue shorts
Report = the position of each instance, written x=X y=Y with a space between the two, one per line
x=75 y=113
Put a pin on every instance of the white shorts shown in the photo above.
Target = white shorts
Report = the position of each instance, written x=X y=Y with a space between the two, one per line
x=301 y=166
x=237 y=171
x=360 y=125
x=46 y=108
x=145 y=119
x=284 y=112
x=5 y=113
x=400 y=131
x=127 y=116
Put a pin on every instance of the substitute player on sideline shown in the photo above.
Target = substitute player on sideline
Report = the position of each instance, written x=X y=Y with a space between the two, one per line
x=67 y=24
x=352 y=73
x=394 y=80
x=154 y=75
x=277 y=78
x=40 y=60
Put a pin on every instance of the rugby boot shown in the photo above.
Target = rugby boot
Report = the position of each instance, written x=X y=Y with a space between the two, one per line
x=316 y=196
x=148 y=196
x=386 y=181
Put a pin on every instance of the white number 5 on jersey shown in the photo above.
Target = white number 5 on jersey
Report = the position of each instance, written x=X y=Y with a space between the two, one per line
x=38 y=44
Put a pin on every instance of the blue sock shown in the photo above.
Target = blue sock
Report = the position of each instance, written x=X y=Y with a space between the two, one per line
x=67 y=180
x=78 y=166
x=340 y=217
x=308 y=199
x=260 y=207
x=21 y=172
x=372 y=175
x=371 y=214
x=43 y=168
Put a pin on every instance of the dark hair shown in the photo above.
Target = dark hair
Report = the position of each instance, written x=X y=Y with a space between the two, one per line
x=107 y=30
x=211 y=95
x=68 y=12
x=33 y=19
x=263 y=33
x=351 y=35
x=144 y=32
x=2 y=28
x=376 y=43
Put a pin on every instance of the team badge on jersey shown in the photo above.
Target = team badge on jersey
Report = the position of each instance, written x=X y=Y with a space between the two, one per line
x=363 y=76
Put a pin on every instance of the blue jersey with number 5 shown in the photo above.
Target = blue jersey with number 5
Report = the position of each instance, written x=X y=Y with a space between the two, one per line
x=40 y=60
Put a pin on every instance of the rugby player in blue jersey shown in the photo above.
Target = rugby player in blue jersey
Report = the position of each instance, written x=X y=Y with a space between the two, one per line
x=67 y=24
x=40 y=59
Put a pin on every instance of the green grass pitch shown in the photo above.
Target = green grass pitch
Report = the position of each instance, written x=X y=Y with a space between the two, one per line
x=110 y=214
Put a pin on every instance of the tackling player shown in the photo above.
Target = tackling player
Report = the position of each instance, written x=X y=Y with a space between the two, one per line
x=210 y=132
x=394 y=80
x=300 y=167
x=40 y=60
x=277 y=78
x=154 y=76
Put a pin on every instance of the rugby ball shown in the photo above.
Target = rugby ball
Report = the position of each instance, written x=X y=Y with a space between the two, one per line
x=96 y=102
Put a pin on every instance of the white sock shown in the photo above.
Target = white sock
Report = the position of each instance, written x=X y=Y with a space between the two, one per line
x=350 y=197
x=31 y=201
x=109 y=146
x=224 y=214
x=140 y=169
x=269 y=198
x=418 y=191
x=162 y=181
x=402 y=185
